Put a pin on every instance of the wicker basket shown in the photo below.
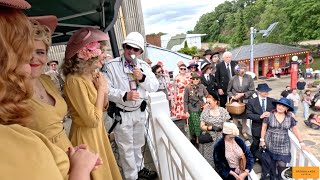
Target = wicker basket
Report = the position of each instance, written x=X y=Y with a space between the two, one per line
x=236 y=110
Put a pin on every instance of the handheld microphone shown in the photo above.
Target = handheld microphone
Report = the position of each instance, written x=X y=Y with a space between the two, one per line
x=134 y=59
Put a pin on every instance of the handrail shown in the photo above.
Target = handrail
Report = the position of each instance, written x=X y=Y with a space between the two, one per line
x=175 y=157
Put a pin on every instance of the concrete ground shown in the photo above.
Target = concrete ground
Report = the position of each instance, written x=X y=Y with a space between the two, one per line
x=310 y=136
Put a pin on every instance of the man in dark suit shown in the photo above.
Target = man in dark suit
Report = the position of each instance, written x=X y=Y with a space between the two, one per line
x=207 y=79
x=224 y=72
x=257 y=109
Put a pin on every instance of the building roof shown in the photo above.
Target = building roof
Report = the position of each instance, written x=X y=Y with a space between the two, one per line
x=264 y=50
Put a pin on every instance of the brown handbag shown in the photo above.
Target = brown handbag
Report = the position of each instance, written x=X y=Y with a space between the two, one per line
x=243 y=162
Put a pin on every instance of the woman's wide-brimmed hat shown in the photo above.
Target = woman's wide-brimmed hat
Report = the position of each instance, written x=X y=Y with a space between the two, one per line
x=284 y=101
x=192 y=65
x=181 y=63
x=195 y=75
x=263 y=87
x=49 y=21
x=17 y=4
x=207 y=52
x=230 y=128
x=81 y=38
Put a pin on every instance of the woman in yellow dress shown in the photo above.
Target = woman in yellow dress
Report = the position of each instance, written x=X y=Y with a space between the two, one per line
x=86 y=96
x=24 y=153
x=49 y=108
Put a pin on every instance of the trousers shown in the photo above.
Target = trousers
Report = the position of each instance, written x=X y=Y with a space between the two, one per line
x=129 y=136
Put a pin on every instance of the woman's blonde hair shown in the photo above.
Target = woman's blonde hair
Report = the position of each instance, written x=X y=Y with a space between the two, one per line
x=16 y=44
x=77 y=65
x=41 y=33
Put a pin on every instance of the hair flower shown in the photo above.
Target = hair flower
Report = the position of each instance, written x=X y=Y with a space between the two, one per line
x=91 y=50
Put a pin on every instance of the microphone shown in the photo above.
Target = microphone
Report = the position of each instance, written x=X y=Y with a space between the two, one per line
x=134 y=59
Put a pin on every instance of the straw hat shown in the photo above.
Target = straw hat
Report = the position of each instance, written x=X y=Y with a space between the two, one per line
x=83 y=37
x=17 y=4
x=230 y=128
x=49 y=21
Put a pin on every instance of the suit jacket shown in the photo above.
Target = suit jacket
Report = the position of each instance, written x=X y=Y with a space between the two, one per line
x=210 y=85
x=254 y=111
x=247 y=87
x=222 y=77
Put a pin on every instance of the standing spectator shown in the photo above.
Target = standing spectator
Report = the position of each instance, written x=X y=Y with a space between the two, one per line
x=275 y=137
x=194 y=59
x=193 y=68
x=176 y=71
x=180 y=82
x=194 y=95
x=207 y=79
x=86 y=96
x=278 y=72
x=55 y=75
x=259 y=108
x=295 y=98
x=286 y=92
x=158 y=72
x=241 y=89
x=211 y=120
x=301 y=84
x=130 y=94
x=306 y=101
x=214 y=61
x=227 y=154
x=224 y=72
x=206 y=57
x=49 y=106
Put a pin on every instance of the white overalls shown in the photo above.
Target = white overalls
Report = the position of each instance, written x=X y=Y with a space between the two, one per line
x=129 y=135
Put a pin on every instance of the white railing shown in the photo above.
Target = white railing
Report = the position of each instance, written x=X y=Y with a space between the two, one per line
x=173 y=154
x=299 y=157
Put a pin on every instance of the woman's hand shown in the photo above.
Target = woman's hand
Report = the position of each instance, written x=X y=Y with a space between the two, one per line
x=304 y=147
x=242 y=176
x=262 y=144
x=100 y=82
x=235 y=175
x=187 y=114
x=83 y=160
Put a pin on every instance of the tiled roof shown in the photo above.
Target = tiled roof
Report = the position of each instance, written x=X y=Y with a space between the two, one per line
x=263 y=50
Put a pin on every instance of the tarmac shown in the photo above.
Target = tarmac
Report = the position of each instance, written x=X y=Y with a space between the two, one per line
x=310 y=136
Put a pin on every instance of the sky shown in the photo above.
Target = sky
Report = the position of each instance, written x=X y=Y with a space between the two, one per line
x=174 y=16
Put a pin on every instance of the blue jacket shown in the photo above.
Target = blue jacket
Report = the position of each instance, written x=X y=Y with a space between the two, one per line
x=221 y=162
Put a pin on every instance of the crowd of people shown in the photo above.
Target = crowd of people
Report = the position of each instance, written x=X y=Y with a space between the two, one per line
x=34 y=105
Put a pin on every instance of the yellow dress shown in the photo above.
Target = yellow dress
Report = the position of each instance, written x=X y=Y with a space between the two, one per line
x=47 y=119
x=27 y=154
x=87 y=125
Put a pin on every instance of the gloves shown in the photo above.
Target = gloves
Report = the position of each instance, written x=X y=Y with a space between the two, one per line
x=262 y=144
x=217 y=129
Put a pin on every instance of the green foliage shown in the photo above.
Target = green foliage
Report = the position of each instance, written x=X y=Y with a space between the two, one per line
x=230 y=21
x=189 y=51
x=185 y=44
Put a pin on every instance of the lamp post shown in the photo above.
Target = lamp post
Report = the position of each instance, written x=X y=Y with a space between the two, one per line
x=265 y=33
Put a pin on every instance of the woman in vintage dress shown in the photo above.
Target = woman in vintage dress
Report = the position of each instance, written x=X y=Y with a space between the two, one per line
x=211 y=120
x=275 y=137
x=241 y=89
x=180 y=82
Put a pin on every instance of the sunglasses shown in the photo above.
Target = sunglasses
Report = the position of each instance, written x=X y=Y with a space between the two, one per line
x=130 y=47
x=196 y=78
x=183 y=69
x=159 y=72
x=193 y=67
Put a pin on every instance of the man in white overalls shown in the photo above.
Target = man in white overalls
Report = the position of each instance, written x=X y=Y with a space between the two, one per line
x=129 y=80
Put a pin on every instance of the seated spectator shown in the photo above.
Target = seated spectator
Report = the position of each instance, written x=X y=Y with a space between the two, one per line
x=313 y=121
x=227 y=154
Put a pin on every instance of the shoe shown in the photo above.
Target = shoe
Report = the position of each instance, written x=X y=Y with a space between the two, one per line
x=147 y=174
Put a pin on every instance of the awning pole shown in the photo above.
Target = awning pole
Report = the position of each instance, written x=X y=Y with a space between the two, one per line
x=113 y=43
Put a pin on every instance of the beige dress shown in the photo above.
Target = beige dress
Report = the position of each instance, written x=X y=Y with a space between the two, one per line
x=47 y=119
x=88 y=126
x=27 y=154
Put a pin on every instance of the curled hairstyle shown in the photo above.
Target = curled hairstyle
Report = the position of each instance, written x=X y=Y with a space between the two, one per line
x=41 y=33
x=16 y=44
x=77 y=65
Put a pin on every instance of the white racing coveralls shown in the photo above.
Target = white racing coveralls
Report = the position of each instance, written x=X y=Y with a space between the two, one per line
x=129 y=134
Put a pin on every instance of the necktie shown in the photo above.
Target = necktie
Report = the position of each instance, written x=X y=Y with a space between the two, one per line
x=263 y=106
x=228 y=69
x=208 y=78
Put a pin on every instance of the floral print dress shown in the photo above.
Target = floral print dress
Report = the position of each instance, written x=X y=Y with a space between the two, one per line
x=177 y=108
x=217 y=121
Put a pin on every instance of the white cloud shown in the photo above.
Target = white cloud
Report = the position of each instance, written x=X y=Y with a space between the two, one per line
x=174 y=16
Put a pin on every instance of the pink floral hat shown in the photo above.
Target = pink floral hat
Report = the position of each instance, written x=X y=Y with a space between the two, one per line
x=17 y=4
x=85 y=43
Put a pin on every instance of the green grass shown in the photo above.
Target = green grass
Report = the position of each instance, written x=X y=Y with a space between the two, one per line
x=315 y=65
